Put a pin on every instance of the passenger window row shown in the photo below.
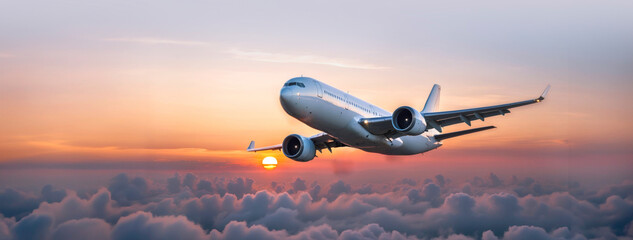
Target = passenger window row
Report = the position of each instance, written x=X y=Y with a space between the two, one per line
x=349 y=102
x=334 y=96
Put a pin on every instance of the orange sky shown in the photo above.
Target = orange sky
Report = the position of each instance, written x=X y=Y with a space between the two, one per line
x=214 y=114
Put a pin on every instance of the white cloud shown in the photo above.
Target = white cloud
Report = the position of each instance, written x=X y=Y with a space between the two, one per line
x=142 y=40
x=307 y=58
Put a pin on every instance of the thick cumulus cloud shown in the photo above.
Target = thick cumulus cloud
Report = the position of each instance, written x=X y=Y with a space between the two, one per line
x=85 y=228
x=142 y=225
x=18 y=204
x=126 y=190
x=187 y=206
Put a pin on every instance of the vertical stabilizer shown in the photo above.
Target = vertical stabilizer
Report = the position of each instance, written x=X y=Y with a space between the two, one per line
x=433 y=102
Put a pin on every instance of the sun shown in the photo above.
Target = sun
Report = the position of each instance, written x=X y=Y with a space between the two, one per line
x=269 y=162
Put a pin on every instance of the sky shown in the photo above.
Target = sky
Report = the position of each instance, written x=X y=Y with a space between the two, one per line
x=90 y=90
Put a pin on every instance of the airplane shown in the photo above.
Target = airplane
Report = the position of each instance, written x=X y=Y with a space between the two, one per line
x=347 y=121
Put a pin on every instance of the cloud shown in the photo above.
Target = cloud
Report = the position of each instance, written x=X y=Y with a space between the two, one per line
x=5 y=227
x=308 y=58
x=18 y=204
x=407 y=181
x=213 y=209
x=337 y=189
x=190 y=180
x=454 y=237
x=205 y=185
x=127 y=191
x=240 y=186
x=299 y=185
x=99 y=205
x=86 y=228
x=320 y=232
x=531 y=232
x=142 y=40
x=371 y=231
x=142 y=225
x=315 y=192
x=14 y=203
x=526 y=233
x=239 y=230
x=173 y=184
x=34 y=226
x=440 y=180
x=495 y=181
x=489 y=235
x=282 y=219
x=51 y=195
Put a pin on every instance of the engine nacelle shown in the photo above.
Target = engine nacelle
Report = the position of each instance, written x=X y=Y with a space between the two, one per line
x=298 y=148
x=408 y=121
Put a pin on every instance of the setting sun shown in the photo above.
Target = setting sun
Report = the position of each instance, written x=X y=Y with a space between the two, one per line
x=269 y=162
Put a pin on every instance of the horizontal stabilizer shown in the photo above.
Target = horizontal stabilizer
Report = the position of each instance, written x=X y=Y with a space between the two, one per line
x=251 y=147
x=441 y=137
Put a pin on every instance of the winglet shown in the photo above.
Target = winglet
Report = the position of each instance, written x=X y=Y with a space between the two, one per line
x=251 y=146
x=544 y=94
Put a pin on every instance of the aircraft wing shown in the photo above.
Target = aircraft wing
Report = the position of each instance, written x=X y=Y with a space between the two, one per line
x=437 y=120
x=379 y=126
x=321 y=141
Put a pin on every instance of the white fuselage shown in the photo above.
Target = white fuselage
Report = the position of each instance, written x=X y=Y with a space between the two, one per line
x=337 y=113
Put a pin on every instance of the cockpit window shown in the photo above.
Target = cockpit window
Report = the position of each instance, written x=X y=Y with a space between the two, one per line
x=294 y=84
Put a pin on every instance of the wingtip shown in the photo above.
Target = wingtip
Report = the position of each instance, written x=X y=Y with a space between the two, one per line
x=545 y=92
x=250 y=145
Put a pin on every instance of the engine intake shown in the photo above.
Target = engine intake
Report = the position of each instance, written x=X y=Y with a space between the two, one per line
x=298 y=148
x=408 y=121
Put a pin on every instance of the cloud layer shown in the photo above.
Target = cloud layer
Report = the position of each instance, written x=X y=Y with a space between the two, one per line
x=190 y=207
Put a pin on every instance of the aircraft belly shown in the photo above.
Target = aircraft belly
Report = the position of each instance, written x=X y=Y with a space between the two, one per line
x=414 y=145
x=343 y=125
x=326 y=117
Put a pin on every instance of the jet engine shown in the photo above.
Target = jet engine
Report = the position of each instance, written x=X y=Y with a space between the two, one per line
x=298 y=148
x=408 y=121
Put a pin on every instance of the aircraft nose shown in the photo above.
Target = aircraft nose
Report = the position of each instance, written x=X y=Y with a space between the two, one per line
x=288 y=98
x=286 y=95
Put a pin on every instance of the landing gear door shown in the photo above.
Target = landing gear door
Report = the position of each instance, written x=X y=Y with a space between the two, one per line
x=319 y=89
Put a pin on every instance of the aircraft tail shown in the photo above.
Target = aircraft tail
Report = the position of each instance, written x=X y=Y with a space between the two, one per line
x=433 y=101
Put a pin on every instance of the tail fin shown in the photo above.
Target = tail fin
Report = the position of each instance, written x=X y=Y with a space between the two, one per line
x=433 y=102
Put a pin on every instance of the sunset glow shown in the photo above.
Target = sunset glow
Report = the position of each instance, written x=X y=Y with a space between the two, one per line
x=269 y=162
